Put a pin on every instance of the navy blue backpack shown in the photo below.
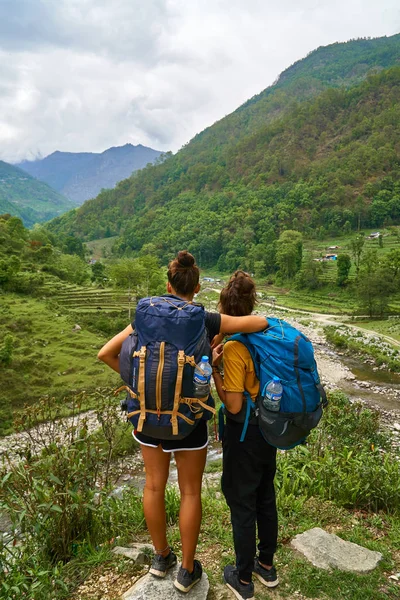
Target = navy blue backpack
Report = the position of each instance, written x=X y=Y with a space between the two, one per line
x=284 y=351
x=157 y=363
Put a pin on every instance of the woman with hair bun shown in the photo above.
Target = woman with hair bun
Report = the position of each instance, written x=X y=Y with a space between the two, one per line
x=190 y=452
x=248 y=466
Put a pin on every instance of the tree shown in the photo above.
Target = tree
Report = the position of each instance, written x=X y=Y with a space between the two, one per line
x=343 y=269
x=309 y=276
x=98 y=272
x=9 y=267
x=356 y=247
x=127 y=273
x=374 y=290
x=289 y=253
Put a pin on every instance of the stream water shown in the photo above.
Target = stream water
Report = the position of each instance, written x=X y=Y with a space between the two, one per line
x=379 y=387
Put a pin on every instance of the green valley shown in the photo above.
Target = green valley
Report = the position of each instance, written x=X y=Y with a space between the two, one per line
x=318 y=152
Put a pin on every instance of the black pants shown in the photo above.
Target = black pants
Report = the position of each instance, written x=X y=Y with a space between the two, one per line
x=248 y=486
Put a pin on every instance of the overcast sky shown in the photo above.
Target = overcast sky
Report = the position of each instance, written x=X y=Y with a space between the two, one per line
x=84 y=75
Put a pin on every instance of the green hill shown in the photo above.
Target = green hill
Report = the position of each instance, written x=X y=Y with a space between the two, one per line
x=25 y=197
x=317 y=152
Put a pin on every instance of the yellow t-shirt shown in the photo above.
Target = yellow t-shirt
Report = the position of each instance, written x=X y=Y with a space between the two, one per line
x=239 y=374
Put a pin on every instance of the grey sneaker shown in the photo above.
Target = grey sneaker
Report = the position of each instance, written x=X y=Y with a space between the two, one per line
x=185 y=581
x=161 y=564
x=241 y=590
x=267 y=576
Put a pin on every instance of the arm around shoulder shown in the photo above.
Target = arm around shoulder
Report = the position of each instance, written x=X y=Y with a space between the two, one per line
x=247 y=324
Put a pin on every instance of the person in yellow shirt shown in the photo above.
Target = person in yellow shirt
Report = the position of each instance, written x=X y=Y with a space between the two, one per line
x=249 y=466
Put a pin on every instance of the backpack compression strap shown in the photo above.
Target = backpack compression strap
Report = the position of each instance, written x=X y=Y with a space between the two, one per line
x=178 y=389
x=141 y=388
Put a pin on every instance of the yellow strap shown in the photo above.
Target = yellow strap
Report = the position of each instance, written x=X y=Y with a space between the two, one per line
x=178 y=389
x=190 y=360
x=141 y=387
x=126 y=388
x=165 y=412
x=201 y=401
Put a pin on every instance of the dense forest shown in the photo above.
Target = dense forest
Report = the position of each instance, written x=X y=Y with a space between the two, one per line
x=319 y=158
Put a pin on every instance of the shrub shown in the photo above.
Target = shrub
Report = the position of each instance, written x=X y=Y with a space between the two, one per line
x=347 y=460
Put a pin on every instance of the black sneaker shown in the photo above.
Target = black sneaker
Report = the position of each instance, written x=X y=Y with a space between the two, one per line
x=185 y=581
x=161 y=564
x=241 y=590
x=267 y=576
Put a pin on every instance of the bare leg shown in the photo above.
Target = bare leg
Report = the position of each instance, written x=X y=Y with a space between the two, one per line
x=190 y=465
x=156 y=463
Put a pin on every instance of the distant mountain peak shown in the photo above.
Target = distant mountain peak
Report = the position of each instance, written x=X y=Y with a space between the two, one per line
x=82 y=175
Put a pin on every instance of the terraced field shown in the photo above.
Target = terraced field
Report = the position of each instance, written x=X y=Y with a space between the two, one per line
x=87 y=299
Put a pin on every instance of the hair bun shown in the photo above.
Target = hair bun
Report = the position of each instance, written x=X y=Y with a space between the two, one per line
x=185 y=259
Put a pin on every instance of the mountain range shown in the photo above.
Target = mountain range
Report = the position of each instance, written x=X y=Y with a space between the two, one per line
x=82 y=175
x=23 y=196
x=318 y=151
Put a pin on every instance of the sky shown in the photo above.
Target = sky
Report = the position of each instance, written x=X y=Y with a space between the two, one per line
x=85 y=75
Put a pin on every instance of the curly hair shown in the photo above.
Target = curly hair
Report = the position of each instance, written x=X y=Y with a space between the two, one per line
x=238 y=297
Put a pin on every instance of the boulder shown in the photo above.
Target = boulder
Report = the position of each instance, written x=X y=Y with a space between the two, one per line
x=149 y=587
x=76 y=327
x=140 y=553
x=328 y=551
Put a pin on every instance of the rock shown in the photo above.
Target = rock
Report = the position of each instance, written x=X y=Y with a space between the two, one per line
x=149 y=587
x=140 y=553
x=396 y=426
x=326 y=551
x=221 y=592
x=76 y=327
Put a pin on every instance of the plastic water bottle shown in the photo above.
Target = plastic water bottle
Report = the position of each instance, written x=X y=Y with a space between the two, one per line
x=201 y=380
x=272 y=394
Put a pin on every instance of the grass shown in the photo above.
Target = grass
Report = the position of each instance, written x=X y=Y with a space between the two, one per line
x=49 y=358
x=389 y=327
x=101 y=248
x=302 y=504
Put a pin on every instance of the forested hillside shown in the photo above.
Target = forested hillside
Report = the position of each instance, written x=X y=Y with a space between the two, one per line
x=24 y=196
x=317 y=152
x=81 y=175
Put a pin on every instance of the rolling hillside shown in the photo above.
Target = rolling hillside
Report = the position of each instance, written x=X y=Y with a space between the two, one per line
x=317 y=152
x=82 y=175
x=23 y=196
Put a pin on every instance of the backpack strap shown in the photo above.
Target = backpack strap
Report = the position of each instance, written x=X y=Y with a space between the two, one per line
x=296 y=368
x=178 y=389
x=141 y=388
x=221 y=422
x=249 y=405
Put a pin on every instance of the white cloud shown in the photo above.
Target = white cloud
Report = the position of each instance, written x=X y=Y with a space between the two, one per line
x=88 y=74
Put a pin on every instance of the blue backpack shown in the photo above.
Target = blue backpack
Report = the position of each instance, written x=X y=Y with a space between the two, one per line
x=157 y=363
x=284 y=351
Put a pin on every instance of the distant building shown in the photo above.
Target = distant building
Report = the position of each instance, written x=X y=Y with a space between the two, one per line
x=209 y=279
x=330 y=257
x=374 y=236
x=333 y=248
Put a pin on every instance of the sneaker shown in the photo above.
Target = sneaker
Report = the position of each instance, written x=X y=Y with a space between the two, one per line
x=185 y=581
x=241 y=590
x=161 y=564
x=267 y=576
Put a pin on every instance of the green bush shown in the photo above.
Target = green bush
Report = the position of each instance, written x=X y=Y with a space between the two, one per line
x=347 y=460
